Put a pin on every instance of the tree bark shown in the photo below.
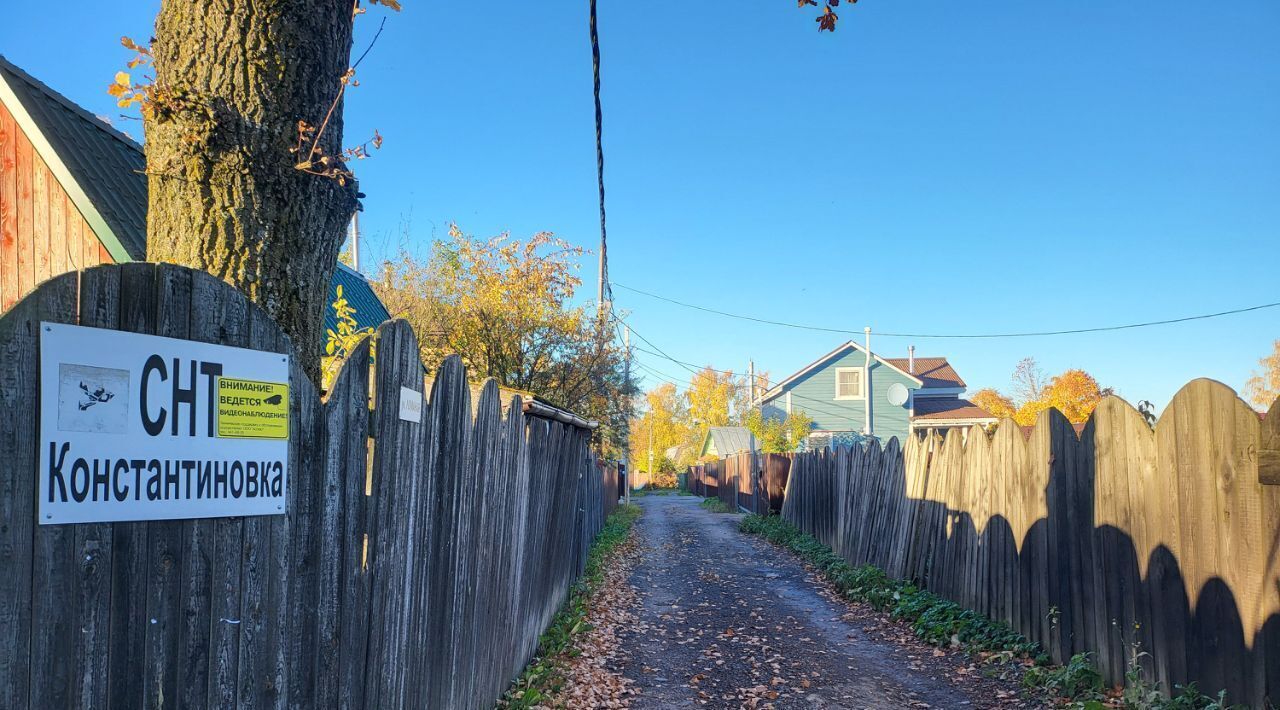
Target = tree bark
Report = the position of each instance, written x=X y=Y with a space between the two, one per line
x=232 y=80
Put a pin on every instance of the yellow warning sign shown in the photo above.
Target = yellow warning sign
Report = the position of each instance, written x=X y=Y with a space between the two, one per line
x=248 y=409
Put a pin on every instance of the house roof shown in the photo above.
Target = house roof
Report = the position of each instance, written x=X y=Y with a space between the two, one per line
x=106 y=170
x=948 y=409
x=932 y=371
x=99 y=167
x=370 y=313
x=731 y=439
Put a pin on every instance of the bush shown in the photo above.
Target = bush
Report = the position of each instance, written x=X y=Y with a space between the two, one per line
x=715 y=505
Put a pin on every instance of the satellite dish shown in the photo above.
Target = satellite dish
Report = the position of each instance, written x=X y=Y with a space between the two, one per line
x=897 y=394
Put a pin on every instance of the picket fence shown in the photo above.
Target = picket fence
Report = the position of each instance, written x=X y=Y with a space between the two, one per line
x=416 y=566
x=747 y=481
x=1121 y=542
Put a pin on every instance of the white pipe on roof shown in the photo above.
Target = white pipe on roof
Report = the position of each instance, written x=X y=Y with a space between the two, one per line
x=866 y=385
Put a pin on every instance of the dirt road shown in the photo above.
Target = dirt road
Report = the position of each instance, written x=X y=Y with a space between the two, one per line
x=726 y=620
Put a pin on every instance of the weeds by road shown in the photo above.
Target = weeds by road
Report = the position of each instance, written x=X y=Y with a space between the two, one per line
x=715 y=505
x=573 y=652
x=943 y=623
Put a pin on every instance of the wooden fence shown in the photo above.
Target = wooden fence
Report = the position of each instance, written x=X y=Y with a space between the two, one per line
x=1124 y=540
x=416 y=566
x=745 y=481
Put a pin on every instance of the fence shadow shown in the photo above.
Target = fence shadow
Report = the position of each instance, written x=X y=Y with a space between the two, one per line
x=1122 y=542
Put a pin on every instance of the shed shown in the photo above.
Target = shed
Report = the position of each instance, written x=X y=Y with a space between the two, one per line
x=724 y=440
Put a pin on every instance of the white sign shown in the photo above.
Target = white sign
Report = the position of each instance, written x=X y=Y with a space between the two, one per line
x=140 y=427
x=410 y=405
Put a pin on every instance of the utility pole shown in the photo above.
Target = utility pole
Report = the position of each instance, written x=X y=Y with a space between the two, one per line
x=751 y=384
x=650 y=446
x=355 y=240
x=626 y=345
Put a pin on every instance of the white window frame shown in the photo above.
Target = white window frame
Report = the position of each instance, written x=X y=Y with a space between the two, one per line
x=862 y=383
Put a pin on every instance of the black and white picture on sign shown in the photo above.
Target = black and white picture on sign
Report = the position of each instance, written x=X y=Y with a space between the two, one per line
x=93 y=399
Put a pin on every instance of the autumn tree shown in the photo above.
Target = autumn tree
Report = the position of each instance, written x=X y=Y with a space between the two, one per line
x=662 y=423
x=1264 y=387
x=711 y=396
x=996 y=404
x=505 y=306
x=776 y=435
x=1028 y=380
x=1073 y=392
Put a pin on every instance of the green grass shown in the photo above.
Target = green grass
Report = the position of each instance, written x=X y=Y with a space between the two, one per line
x=715 y=505
x=941 y=622
x=544 y=674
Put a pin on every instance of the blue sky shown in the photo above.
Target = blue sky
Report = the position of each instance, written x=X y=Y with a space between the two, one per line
x=930 y=167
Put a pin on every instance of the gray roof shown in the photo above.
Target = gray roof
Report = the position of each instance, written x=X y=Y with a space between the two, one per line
x=105 y=163
x=732 y=439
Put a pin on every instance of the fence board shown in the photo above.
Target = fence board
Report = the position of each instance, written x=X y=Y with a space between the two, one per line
x=54 y=569
x=344 y=644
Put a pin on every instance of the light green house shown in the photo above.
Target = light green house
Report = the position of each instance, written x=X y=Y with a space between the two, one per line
x=852 y=395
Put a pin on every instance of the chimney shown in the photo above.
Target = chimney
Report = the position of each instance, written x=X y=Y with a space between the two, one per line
x=911 y=359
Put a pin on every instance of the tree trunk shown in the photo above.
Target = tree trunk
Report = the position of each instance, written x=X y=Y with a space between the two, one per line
x=232 y=80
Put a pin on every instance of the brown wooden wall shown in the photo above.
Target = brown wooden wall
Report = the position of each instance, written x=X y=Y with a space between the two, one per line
x=42 y=234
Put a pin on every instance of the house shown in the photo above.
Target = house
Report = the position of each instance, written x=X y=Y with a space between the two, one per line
x=73 y=194
x=677 y=452
x=852 y=394
x=721 y=441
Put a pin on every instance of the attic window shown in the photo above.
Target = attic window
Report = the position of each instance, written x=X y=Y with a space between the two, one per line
x=849 y=383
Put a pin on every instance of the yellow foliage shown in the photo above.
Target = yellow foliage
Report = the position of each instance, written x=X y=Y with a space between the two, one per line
x=1075 y=393
x=1263 y=388
x=779 y=436
x=505 y=306
x=996 y=404
x=340 y=342
x=663 y=425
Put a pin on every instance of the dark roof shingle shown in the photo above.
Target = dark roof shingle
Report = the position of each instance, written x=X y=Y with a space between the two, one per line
x=933 y=371
x=947 y=408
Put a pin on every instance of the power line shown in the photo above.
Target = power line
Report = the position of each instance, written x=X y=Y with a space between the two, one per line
x=845 y=331
x=605 y=291
x=701 y=367
x=821 y=409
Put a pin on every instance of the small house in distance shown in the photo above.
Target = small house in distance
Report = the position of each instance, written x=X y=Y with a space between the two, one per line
x=853 y=395
x=73 y=194
x=721 y=441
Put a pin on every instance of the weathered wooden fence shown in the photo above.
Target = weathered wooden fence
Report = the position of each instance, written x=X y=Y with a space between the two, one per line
x=1123 y=540
x=416 y=566
x=745 y=481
